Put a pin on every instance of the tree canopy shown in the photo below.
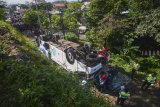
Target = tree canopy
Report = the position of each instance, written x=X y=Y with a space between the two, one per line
x=56 y=22
x=72 y=15
x=114 y=20
x=31 y=17
x=2 y=10
x=150 y=25
x=2 y=14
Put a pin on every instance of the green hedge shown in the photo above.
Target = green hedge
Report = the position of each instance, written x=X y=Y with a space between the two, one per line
x=31 y=80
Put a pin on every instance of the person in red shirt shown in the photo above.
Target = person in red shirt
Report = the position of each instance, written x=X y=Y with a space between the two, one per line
x=103 y=55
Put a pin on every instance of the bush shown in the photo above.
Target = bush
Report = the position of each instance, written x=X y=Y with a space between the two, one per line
x=2 y=14
x=149 y=64
x=124 y=62
x=144 y=65
x=71 y=37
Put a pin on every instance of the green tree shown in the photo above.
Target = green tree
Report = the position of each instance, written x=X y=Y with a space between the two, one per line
x=109 y=22
x=2 y=10
x=2 y=14
x=150 y=25
x=110 y=33
x=56 y=22
x=71 y=37
x=31 y=17
x=97 y=10
x=140 y=6
x=72 y=15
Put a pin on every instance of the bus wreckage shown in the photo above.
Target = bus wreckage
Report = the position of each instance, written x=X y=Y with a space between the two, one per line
x=83 y=59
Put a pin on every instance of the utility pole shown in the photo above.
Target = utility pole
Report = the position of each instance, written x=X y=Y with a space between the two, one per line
x=39 y=21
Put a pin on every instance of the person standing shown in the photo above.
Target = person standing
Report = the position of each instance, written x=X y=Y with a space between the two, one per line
x=151 y=79
x=123 y=96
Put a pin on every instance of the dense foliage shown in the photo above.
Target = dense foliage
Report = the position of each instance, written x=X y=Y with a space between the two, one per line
x=72 y=15
x=29 y=79
x=31 y=18
x=71 y=37
x=68 y=18
x=56 y=22
x=150 y=25
x=113 y=20
x=126 y=27
x=2 y=14
x=2 y=10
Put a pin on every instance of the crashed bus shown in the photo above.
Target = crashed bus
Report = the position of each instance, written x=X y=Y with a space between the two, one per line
x=83 y=59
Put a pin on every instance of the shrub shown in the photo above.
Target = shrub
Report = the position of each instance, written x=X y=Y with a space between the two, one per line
x=124 y=62
x=71 y=37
